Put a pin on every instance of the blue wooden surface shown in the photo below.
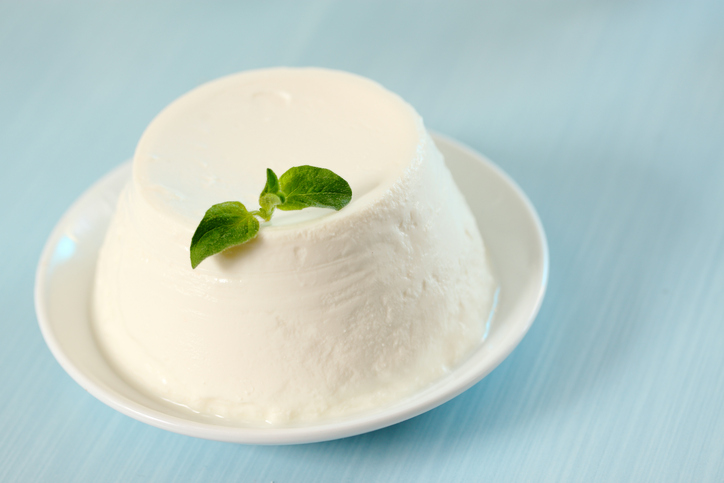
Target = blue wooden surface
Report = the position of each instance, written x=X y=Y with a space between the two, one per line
x=610 y=115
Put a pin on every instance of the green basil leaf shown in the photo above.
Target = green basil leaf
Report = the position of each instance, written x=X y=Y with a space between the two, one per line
x=268 y=202
x=272 y=183
x=308 y=186
x=224 y=225
x=230 y=224
x=270 y=196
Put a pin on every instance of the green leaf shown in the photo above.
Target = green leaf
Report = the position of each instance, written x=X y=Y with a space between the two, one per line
x=230 y=224
x=307 y=186
x=224 y=225
x=272 y=183
x=270 y=196
x=268 y=202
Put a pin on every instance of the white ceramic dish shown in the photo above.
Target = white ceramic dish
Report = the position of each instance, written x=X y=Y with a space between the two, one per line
x=516 y=246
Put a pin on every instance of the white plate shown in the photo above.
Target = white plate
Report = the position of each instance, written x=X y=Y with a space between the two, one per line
x=509 y=224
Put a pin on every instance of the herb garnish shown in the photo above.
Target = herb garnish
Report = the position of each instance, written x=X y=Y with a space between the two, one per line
x=230 y=224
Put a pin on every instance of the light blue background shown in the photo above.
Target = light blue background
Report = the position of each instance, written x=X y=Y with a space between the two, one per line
x=609 y=114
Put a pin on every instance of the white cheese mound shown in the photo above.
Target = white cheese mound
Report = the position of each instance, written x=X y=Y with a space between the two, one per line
x=325 y=313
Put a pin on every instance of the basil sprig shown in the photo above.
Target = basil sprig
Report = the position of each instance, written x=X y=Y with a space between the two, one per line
x=229 y=224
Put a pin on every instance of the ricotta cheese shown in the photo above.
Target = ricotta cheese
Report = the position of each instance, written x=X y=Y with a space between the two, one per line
x=325 y=313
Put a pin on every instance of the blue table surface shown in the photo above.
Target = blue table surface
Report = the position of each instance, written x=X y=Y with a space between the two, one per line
x=609 y=114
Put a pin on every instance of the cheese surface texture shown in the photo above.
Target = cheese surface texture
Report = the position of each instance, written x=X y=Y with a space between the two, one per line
x=325 y=313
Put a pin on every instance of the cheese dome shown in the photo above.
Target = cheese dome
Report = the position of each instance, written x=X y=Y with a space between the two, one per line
x=325 y=313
